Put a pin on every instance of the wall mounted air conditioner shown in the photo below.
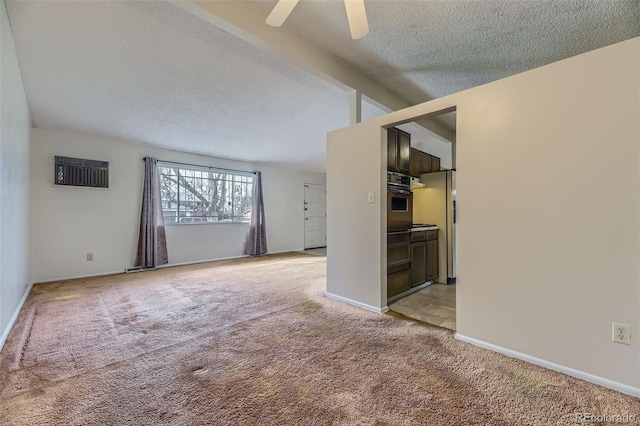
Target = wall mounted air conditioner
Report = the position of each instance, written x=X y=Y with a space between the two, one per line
x=81 y=172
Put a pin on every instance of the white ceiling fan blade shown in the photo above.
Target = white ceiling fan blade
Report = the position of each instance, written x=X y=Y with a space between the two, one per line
x=280 y=12
x=357 y=17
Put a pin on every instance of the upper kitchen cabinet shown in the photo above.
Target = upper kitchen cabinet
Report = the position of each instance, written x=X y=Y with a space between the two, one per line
x=404 y=152
x=425 y=163
x=421 y=162
x=416 y=168
x=435 y=164
x=392 y=150
x=398 y=151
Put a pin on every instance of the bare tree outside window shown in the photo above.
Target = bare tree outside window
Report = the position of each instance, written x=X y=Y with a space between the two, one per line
x=203 y=195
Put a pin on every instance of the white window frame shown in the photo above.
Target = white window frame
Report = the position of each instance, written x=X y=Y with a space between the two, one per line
x=230 y=177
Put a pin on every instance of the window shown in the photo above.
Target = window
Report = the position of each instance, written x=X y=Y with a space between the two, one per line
x=192 y=194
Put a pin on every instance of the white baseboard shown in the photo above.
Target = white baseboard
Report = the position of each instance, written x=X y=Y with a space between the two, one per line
x=168 y=265
x=284 y=251
x=620 y=387
x=195 y=262
x=76 y=277
x=14 y=317
x=356 y=303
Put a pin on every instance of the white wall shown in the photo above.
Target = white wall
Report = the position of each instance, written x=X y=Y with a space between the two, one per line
x=548 y=231
x=356 y=229
x=14 y=183
x=69 y=222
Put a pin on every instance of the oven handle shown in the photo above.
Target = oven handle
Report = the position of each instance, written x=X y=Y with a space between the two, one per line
x=398 y=190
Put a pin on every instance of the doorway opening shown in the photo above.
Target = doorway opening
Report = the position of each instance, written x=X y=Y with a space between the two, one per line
x=424 y=288
x=315 y=216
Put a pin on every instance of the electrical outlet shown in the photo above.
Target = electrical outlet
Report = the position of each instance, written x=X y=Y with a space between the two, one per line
x=89 y=256
x=621 y=333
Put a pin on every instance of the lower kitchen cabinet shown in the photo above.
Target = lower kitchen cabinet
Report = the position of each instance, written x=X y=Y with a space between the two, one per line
x=412 y=260
x=398 y=282
x=432 y=260
x=418 y=263
x=398 y=263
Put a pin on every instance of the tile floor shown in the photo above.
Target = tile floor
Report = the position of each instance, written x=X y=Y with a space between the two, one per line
x=435 y=305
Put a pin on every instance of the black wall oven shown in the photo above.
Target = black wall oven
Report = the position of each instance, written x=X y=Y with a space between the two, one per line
x=398 y=182
x=399 y=207
x=399 y=202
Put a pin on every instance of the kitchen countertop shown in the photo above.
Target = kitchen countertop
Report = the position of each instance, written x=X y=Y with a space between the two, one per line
x=425 y=228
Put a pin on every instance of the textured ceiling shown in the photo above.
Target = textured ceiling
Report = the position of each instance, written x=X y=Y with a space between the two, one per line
x=425 y=49
x=150 y=72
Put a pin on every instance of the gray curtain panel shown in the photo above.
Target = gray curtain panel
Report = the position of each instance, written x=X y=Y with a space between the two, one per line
x=257 y=242
x=152 y=242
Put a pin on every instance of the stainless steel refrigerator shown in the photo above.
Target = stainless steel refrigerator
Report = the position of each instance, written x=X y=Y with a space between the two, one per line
x=435 y=203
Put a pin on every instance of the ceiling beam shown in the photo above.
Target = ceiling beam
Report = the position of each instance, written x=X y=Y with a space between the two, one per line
x=355 y=110
x=248 y=22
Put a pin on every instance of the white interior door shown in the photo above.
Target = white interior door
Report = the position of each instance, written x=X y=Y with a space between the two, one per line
x=315 y=216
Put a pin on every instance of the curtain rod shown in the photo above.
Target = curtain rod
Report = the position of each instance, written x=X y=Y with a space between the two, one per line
x=203 y=167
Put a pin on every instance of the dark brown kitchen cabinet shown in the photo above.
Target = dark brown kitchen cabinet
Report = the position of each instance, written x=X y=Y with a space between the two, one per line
x=416 y=165
x=398 y=282
x=398 y=151
x=421 y=162
x=432 y=255
x=412 y=260
x=398 y=263
x=425 y=162
x=404 y=152
x=398 y=254
x=418 y=263
x=392 y=150
x=435 y=164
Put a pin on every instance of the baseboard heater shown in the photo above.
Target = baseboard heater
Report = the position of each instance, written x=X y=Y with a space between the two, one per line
x=138 y=269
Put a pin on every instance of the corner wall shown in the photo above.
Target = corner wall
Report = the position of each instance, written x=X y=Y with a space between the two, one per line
x=355 y=231
x=548 y=231
x=548 y=228
x=69 y=222
x=15 y=126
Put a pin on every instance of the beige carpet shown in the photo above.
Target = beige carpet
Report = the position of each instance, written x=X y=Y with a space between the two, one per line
x=255 y=342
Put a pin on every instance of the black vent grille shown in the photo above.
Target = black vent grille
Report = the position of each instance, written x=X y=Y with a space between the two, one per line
x=80 y=172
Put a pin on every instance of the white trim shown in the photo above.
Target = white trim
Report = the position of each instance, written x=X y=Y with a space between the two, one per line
x=77 y=277
x=620 y=387
x=242 y=256
x=204 y=223
x=53 y=185
x=200 y=168
x=14 y=317
x=304 y=221
x=168 y=265
x=284 y=251
x=356 y=303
